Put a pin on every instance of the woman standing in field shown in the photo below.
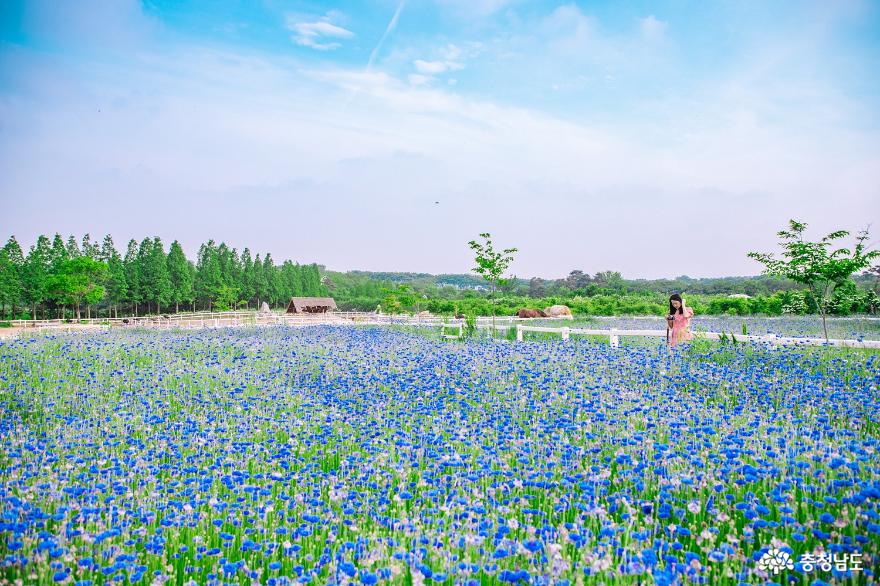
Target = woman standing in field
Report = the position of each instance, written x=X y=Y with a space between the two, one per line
x=677 y=321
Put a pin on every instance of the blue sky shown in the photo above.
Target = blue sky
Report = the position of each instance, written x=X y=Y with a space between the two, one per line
x=653 y=138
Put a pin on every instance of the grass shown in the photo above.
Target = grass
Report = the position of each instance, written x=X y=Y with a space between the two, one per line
x=386 y=439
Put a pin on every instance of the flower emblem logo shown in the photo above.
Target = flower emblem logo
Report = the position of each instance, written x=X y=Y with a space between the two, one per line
x=775 y=561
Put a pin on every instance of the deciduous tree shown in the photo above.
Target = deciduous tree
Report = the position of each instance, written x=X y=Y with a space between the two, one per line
x=491 y=265
x=815 y=265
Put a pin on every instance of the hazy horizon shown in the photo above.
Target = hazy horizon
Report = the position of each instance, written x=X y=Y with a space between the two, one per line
x=653 y=139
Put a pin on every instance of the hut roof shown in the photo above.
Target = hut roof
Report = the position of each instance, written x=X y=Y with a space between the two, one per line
x=299 y=304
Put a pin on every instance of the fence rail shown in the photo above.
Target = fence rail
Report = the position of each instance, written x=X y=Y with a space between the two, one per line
x=504 y=323
x=615 y=334
x=251 y=317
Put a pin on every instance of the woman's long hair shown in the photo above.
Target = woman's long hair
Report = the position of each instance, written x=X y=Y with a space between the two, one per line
x=672 y=310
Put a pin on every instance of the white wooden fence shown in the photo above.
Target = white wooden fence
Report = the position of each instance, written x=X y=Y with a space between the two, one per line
x=614 y=336
x=242 y=318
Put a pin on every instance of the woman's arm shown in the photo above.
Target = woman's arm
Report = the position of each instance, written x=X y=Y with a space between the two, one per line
x=686 y=311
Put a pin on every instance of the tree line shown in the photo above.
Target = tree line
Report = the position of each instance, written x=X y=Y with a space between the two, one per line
x=606 y=294
x=57 y=277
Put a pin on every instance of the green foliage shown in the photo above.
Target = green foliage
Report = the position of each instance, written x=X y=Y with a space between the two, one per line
x=72 y=247
x=847 y=298
x=147 y=275
x=364 y=295
x=814 y=265
x=58 y=252
x=89 y=248
x=116 y=285
x=491 y=265
x=35 y=273
x=390 y=304
x=470 y=324
x=400 y=297
x=132 y=274
x=77 y=281
x=795 y=303
x=221 y=273
x=11 y=273
x=226 y=298
x=155 y=281
x=605 y=293
x=209 y=278
x=181 y=275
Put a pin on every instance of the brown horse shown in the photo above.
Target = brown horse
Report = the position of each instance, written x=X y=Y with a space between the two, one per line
x=530 y=313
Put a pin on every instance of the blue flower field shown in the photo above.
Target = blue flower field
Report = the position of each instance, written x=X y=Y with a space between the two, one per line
x=343 y=455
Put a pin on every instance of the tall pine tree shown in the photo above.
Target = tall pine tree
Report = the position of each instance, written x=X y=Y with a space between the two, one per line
x=11 y=272
x=181 y=276
x=133 y=275
x=73 y=250
x=162 y=291
x=89 y=248
x=271 y=277
x=58 y=252
x=221 y=278
x=36 y=273
x=209 y=278
x=116 y=285
x=247 y=276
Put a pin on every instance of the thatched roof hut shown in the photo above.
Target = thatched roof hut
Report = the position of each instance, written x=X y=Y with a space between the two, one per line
x=311 y=305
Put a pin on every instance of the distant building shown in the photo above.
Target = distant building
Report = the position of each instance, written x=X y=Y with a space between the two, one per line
x=464 y=287
x=739 y=296
x=311 y=305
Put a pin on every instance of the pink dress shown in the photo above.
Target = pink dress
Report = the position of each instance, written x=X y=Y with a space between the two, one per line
x=680 y=325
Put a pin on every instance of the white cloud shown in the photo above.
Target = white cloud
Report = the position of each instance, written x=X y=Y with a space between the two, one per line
x=430 y=67
x=572 y=40
x=568 y=25
x=416 y=79
x=652 y=28
x=316 y=34
x=450 y=55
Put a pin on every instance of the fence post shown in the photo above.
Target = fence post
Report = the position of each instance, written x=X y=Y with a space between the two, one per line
x=519 y=333
x=565 y=331
x=615 y=340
